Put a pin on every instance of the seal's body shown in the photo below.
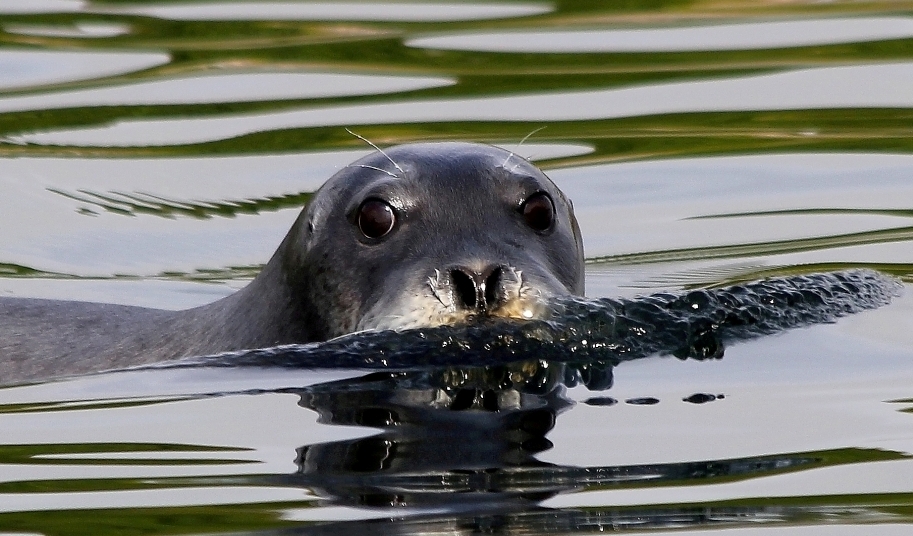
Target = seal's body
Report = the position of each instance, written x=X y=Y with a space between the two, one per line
x=418 y=235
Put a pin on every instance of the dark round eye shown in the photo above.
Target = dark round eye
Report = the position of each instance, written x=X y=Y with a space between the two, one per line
x=539 y=211
x=375 y=218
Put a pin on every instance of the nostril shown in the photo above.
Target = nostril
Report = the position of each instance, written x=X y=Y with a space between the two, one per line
x=464 y=287
x=479 y=291
x=492 y=285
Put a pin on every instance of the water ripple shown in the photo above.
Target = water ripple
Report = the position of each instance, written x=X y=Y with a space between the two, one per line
x=858 y=86
x=24 y=68
x=224 y=88
x=744 y=36
x=326 y=11
x=604 y=330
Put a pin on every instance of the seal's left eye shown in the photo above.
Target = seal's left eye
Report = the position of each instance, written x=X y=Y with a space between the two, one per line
x=538 y=211
x=375 y=218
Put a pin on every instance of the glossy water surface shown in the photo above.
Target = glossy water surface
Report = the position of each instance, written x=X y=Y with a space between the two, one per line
x=155 y=153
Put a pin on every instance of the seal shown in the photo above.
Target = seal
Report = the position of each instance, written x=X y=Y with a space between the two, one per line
x=416 y=235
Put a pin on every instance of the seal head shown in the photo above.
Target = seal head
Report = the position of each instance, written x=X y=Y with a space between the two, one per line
x=429 y=234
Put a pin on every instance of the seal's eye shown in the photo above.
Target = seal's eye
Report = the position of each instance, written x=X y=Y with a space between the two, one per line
x=538 y=211
x=375 y=218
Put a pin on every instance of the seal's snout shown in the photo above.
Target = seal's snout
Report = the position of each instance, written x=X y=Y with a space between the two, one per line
x=477 y=291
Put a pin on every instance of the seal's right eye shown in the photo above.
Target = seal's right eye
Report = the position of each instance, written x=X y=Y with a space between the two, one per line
x=375 y=218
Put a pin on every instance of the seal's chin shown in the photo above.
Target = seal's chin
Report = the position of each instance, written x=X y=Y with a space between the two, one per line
x=438 y=303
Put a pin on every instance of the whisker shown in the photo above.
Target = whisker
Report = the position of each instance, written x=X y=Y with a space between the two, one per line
x=381 y=151
x=435 y=284
x=394 y=175
x=506 y=160
x=530 y=134
x=511 y=154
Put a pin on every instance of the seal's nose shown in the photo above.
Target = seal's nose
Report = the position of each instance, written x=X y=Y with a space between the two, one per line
x=479 y=291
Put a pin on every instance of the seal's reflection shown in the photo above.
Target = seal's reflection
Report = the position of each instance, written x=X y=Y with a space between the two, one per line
x=452 y=436
x=458 y=448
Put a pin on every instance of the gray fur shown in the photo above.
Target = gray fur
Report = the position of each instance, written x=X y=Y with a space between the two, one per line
x=457 y=205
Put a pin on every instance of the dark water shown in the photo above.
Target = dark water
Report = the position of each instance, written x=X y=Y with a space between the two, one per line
x=155 y=154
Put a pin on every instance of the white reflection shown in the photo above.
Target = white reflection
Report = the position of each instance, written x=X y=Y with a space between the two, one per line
x=859 y=86
x=755 y=35
x=87 y=29
x=24 y=68
x=236 y=87
x=374 y=11
x=22 y=7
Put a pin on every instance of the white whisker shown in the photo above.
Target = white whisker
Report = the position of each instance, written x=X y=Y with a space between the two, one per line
x=381 y=151
x=394 y=175
x=530 y=134
x=435 y=284
x=511 y=154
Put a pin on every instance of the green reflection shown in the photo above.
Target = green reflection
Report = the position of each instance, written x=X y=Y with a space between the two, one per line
x=709 y=277
x=812 y=212
x=269 y=518
x=17 y=270
x=90 y=404
x=761 y=249
x=136 y=203
x=623 y=139
x=35 y=454
x=633 y=138
x=234 y=518
x=200 y=275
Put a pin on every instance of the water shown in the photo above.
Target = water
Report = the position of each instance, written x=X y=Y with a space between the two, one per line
x=150 y=155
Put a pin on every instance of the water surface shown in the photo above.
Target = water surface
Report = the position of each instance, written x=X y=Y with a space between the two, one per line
x=155 y=154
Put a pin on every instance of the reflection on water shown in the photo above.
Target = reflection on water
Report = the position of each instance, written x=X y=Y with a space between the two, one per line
x=758 y=35
x=152 y=154
x=476 y=432
x=143 y=203
x=25 y=68
x=869 y=86
x=87 y=30
x=662 y=209
x=227 y=87
x=331 y=11
x=13 y=7
x=453 y=448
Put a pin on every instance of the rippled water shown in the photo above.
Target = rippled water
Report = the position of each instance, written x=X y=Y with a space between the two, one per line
x=155 y=154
